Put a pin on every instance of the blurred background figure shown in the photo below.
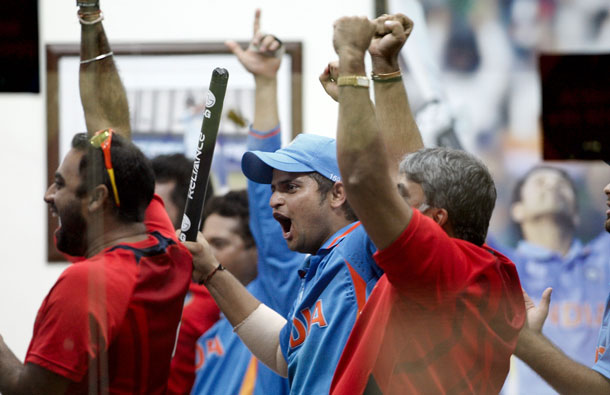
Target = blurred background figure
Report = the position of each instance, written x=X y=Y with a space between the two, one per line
x=545 y=208
x=172 y=180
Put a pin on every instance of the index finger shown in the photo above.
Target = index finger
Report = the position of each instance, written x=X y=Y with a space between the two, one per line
x=257 y=22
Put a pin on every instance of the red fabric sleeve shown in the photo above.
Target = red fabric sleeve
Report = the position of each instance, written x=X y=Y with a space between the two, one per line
x=424 y=263
x=156 y=218
x=78 y=302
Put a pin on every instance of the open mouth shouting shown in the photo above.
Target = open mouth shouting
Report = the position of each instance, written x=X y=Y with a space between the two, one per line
x=285 y=223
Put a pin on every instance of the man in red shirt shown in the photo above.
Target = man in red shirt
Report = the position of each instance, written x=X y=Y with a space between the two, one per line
x=109 y=323
x=446 y=315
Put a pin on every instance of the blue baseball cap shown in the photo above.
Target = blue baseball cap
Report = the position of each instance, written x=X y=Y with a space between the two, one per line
x=306 y=153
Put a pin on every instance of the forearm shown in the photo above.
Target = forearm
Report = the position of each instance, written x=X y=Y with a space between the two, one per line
x=562 y=373
x=359 y=147
x=265 y=103
x=231 y=296
x=102 y=93
x=396 y=123
x=256 y=324
x=363 y=162
x=10 y=370
x=260 y=332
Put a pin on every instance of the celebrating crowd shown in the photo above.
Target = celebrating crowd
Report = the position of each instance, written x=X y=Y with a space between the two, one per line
x=351 y=265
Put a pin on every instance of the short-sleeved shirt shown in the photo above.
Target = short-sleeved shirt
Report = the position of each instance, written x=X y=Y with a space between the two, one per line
x=443 y=319
x=224 y=364
x=199 y=313
x=117 y=312
x=580 y=286
x=335 y=285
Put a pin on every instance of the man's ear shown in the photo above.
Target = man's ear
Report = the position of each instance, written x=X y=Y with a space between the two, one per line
x=97 y=198
x=440 y=216
x=337 y=195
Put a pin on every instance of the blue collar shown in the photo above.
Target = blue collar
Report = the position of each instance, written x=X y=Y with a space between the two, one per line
x=312 y=261
x=544 y=254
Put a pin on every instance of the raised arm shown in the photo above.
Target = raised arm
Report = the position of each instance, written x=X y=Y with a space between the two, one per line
x=396 y=123
x=255 y=323
x=565 y=375
x=101 y=90
x=262 y=59
x=361 y=150
x=277 y=264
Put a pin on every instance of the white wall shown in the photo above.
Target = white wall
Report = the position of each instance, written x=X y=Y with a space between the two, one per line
x=25 y=274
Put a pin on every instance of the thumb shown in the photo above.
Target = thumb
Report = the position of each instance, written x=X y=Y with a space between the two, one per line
x=235 y=48
x=395 y=27
x=545 y=300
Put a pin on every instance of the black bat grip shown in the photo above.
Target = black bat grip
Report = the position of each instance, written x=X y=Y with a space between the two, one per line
x=193 y=210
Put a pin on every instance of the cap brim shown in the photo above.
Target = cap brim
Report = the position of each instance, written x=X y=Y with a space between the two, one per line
x=258 y=165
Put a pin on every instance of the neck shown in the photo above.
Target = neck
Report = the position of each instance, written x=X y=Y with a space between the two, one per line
x=114 y=234
x=338 y=226
x=551 y=232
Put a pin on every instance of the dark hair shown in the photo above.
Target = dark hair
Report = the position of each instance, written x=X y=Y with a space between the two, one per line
x=458 y=182
x=325 y=185
x=516 y=196
x=134 y=177
x=177 y=168
x=234 y=204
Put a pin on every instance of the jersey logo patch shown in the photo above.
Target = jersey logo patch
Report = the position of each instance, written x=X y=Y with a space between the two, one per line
x=599 y=351
x=314 y=316
x=214 y=346
x=199 y=357
x=570 y=315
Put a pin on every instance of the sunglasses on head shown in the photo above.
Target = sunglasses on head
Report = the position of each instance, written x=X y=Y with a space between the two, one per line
x=103 y=139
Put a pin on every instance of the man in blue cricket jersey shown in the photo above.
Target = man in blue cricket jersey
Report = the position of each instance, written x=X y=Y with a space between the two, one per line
x=564 y=374
x=308 y=201
x=224 y=363
x=549 y=255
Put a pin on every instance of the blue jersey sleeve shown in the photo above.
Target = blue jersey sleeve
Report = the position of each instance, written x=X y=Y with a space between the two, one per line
x=277 y=264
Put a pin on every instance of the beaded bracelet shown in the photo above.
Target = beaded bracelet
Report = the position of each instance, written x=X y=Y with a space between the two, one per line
x=212 y=273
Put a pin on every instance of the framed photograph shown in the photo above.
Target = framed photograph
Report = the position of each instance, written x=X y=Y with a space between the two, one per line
x=166 y=86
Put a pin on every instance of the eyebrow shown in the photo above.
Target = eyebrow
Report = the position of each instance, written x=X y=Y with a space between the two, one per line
x=287 y=180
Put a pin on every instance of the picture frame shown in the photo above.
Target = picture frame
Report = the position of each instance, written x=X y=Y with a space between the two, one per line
x=166 y=84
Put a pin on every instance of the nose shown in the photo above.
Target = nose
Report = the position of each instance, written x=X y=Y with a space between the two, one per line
x=275 y=200
x=49 y=195
x=607 y=190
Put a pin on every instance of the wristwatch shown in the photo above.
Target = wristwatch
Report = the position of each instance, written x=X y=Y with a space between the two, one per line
x=359 y=81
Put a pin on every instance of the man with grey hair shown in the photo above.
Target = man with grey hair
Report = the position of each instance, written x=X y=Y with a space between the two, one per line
x=446 y=314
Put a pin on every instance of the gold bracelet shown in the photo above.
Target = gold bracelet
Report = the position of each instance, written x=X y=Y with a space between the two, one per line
x=359 y=81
